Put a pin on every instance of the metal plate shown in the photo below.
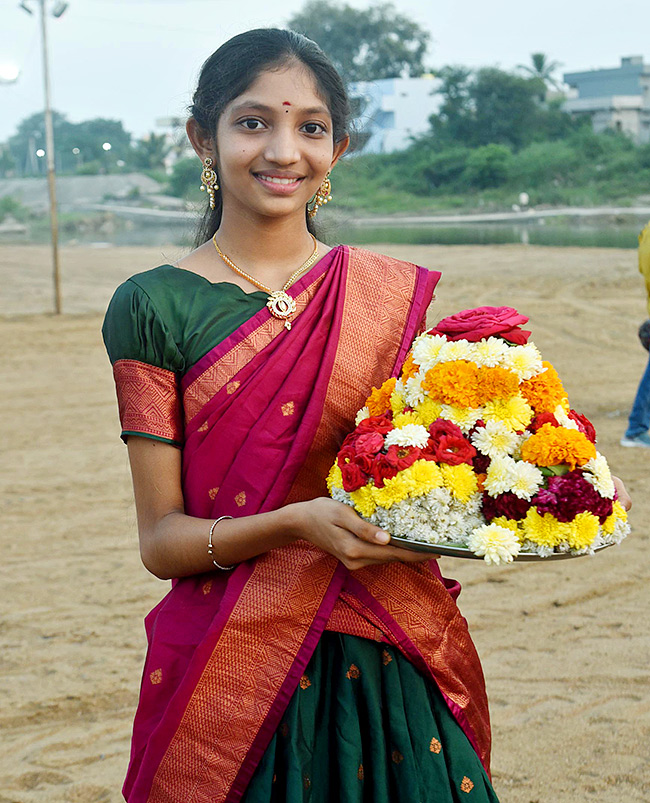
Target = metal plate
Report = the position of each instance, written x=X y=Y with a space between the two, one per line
x=449 y=550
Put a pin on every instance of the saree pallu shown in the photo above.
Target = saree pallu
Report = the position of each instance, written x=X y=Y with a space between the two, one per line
x=265 y=411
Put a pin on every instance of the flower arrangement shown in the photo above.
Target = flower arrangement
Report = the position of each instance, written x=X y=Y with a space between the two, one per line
x=475 y=445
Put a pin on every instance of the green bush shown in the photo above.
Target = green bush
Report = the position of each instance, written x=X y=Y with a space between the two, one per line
x=185 y=179
x=10 y=206
x=488 y=166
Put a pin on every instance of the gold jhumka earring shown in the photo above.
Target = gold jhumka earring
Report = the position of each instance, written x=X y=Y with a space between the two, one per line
x=323 y=196
x=209 y=180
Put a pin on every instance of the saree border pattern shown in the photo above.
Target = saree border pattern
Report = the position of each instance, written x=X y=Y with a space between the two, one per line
x=148 y=400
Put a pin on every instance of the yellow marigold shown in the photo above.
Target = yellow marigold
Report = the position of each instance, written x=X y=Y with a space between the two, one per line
x=545 y=391
x=511 y=524
x=428 y=411
x=460 y=480
x=379 y=400
x=453 y=383
x=409 y=368
x=552 y=446
x=584 y=529
x=395 y=490
x=496 y=383
x=423 y=476
x=397 y=402
x=515 y=412
x=334 y=478
x=544 y=530
x=363 y=501
x=618 y=512
x=409 y=417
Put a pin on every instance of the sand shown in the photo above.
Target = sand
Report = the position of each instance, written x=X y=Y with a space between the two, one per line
x=565 y=646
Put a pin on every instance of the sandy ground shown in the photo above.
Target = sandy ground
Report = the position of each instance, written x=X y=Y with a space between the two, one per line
x=565 y=646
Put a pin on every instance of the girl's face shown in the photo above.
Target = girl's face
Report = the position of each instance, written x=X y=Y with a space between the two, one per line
x=274 y=144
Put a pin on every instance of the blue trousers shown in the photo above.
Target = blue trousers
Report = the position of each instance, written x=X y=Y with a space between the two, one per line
x=639 y=420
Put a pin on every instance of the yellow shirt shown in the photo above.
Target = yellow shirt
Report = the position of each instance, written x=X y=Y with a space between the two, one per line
x=644 y=259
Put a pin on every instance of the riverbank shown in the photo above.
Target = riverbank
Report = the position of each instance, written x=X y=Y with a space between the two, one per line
x=565 y=646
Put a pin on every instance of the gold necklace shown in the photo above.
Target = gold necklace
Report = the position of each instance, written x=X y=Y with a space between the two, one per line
x=280 y=303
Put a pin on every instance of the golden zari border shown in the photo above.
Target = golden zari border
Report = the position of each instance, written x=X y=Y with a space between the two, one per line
x=204 y=387
x=263 y=635
x=148 y=399
x=378 y=296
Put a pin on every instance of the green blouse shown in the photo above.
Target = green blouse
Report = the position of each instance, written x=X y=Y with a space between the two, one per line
x=169 y=317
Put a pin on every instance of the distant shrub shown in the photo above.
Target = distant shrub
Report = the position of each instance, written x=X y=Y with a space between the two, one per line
x=488 y=166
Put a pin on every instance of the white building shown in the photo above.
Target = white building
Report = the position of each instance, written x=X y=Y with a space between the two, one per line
x=388 y=112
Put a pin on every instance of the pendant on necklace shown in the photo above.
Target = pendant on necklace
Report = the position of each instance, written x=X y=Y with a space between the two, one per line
x=282 y=306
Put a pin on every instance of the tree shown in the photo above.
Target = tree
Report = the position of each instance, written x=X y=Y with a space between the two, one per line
x=542 y=69
x=364 y=45
x=455 y=120
x=149 y=152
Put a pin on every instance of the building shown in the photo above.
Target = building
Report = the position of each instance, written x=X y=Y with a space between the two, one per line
x=616 y=98
x=389 y=111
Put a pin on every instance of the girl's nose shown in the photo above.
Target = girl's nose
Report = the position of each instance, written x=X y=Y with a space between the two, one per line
x=282 y=147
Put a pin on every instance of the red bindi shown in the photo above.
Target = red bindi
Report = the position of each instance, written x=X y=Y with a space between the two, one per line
x=286 y=103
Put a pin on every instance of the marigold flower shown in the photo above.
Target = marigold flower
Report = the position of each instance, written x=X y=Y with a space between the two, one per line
x=553 y=446
x=379 y=400
x=515 y=412
x=495 y=383
x=453 y=383
x=409 y=368
x=461 y=481
x=584 y=529
x=363 y=501
x=545 y=391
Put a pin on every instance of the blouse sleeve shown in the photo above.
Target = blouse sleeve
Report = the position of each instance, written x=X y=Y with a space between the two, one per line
x=146 y=364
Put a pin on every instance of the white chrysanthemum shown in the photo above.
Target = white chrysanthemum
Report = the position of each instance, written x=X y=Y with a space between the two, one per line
x=455 y=350
x=500 y=475
x=527 y=480
x=413 y=391
x=495 y=439
x=463 y=417
x=563 y=419
x=597 y=472
x=494 y=543
x=426 y=349
x=363 y=413
x=525 y=361
x=408 y=435
x=490 y=352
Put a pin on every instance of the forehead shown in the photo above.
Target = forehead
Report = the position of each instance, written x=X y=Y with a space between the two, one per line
x=292 y=85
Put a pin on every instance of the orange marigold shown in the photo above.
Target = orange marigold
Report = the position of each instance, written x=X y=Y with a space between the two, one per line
x=379 y=400
x=453 y=383
x=552 y=446
x=496 y=383
x=545 y=391
x=409 y=368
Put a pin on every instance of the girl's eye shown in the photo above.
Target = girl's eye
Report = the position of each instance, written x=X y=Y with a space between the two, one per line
x=252 y=124
x=314 y=128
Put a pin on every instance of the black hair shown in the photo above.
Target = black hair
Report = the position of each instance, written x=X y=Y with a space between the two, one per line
x=232 y=68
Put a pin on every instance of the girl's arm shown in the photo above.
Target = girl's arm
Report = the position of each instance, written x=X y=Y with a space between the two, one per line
x=173 y=544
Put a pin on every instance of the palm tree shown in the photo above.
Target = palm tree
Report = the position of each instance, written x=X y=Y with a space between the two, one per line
x=542 y=69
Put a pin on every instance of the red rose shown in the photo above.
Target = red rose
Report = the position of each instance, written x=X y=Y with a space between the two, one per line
x=401 y=457
x=382 y=470
x=364 y=461
x=454 y=450
x=482 y=322
x=584 y=425
x=369 y=443
x=442 y=427
x=375 y=423
x=541 y=419
x=353 y=477
x=345 y=455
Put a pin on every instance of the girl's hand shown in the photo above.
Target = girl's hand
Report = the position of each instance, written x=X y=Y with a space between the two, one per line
x=623 y=495
x=336 y=528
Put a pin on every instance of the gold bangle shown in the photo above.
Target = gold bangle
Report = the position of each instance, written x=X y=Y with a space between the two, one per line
x=210 y=549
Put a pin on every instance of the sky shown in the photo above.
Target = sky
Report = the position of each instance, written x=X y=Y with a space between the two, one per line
x=137 y=60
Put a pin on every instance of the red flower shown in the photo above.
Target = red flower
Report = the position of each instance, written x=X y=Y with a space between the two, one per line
x=482 y=322
x=364 y=461
x=454 y=450
x=584 y=425
x=506 y=504
x=375 y=423
x=401 y=457
x=442 y=427
x=346 y=454
x=541 y=419
x=382 y=470
x=353 y=477
x=369 y=443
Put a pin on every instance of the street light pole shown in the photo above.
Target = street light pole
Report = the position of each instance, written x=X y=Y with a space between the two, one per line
x=51 y=172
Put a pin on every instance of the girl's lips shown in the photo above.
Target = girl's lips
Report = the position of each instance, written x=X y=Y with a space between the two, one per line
x=277 y=185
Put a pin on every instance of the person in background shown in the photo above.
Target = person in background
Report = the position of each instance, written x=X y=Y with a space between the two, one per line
x=638 y=423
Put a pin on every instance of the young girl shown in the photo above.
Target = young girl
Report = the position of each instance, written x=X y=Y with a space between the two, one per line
x=298 y=656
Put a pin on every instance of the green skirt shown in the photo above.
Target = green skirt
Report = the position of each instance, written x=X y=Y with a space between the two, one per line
x=365 y=726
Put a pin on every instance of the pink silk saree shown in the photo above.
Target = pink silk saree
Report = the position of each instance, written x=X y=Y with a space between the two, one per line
x=265 y=412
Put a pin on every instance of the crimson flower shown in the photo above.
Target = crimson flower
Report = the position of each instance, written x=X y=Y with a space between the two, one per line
x=401 y=457
x=369 y=443
x=482 y=322
x=382 y=470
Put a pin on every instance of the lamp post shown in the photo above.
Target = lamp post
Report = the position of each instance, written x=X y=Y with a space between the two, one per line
x=57 y=11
